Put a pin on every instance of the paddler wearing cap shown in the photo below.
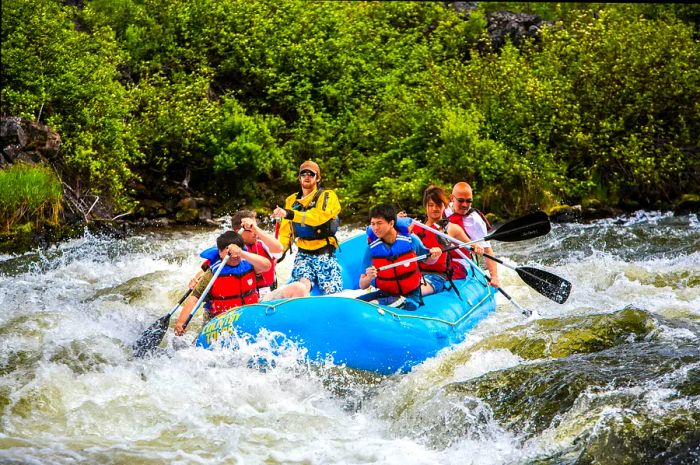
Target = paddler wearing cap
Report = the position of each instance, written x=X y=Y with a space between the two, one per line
x=310 y=217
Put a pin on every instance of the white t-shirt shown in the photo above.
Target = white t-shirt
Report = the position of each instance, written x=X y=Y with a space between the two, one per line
x=474 y=225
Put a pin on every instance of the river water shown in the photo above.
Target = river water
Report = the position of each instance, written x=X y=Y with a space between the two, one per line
x=610 y=377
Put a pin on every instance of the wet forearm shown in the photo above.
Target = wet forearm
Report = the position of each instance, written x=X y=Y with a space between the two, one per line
x=274 y=245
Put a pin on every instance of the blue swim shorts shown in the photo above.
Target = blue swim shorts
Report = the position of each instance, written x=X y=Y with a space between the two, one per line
x=437 y=281
x=322 y=270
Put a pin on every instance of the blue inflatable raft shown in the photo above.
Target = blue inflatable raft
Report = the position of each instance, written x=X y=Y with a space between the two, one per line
x=359 y=334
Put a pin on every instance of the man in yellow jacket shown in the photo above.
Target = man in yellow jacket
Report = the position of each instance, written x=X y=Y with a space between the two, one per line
x=311 y=218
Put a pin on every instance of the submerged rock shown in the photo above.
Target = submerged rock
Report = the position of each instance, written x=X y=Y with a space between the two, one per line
x=559 y=338
x=620 y=390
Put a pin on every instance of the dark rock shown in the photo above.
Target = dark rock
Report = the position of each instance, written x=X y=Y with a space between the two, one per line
x=171 y=205
x=463 y=8
x=689 y=203
x=504 y=25
x=12 y=133
x=630 y=205
x=591 y=213
x=150 y=208
x=162 y=222
x=564 y=213
x=187 y=203
x=26 y=141
x=187 y=215
x=204 y=214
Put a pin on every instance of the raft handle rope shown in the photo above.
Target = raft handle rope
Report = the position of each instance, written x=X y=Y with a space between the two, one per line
x=270 y=309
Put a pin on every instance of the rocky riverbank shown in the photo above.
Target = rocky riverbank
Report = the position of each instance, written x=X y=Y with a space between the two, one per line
x=166 y=203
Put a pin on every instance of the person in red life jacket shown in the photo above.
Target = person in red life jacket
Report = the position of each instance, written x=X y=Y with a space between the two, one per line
x=235 y=286
x=473 y=222
x=446 y=268
x=389 y=241
x=259 y=242
x=256 y=241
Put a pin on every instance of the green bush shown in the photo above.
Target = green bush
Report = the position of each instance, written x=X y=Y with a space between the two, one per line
x=630 y=117
x=246 y=149
x=388 y=97
x=68 y=79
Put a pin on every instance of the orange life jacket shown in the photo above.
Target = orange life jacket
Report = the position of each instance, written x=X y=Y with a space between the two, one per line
x=399 y=280
x=235 y=286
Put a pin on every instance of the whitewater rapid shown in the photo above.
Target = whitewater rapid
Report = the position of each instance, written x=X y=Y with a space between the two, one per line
x=70 y=392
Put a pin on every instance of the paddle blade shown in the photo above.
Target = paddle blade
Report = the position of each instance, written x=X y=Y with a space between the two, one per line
x=151 y=337
x=526 y=227
x=549 y=285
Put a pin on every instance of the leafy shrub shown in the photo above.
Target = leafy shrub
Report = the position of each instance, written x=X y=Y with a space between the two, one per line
x=69 y=80
x=388 y=97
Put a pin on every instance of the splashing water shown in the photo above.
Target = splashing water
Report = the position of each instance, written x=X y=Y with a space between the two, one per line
x=586 y=382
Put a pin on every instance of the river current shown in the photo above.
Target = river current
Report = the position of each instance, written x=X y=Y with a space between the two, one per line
x=612 y=376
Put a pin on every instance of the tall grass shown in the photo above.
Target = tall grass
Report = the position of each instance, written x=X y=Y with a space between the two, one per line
x=29 y=193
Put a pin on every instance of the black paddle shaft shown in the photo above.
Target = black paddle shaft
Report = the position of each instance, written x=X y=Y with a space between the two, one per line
x=519 y=229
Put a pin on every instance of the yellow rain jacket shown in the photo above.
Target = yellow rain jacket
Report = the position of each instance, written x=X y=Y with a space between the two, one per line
x=326 y=209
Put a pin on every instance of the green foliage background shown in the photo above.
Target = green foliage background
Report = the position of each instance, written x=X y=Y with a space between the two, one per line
x=388 y=97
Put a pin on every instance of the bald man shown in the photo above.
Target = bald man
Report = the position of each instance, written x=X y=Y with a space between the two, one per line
x=461 y=213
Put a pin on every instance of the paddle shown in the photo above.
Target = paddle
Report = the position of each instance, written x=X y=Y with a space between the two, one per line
x=153 y=335
x=414 y=259
x=206 y=291
x=525 y=311
x=549 y=285
x=519 y=229
x=544 y=282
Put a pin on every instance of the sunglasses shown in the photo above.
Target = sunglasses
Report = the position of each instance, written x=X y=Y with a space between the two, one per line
x=458 y=200
x=307 y=174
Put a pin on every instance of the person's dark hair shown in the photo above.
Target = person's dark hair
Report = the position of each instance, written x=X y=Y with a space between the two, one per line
x=238 y=216
x=228 y=238
x=436 y=194
x=383 y=210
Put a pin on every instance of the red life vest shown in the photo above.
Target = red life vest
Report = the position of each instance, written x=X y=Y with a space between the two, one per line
x=267 y=278
x=399 y=280
x=263 y=279
x=235 y=286
x=456 y=218
x=445 y=265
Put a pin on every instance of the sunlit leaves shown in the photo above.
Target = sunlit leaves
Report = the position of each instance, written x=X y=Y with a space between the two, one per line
x=388 y=97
